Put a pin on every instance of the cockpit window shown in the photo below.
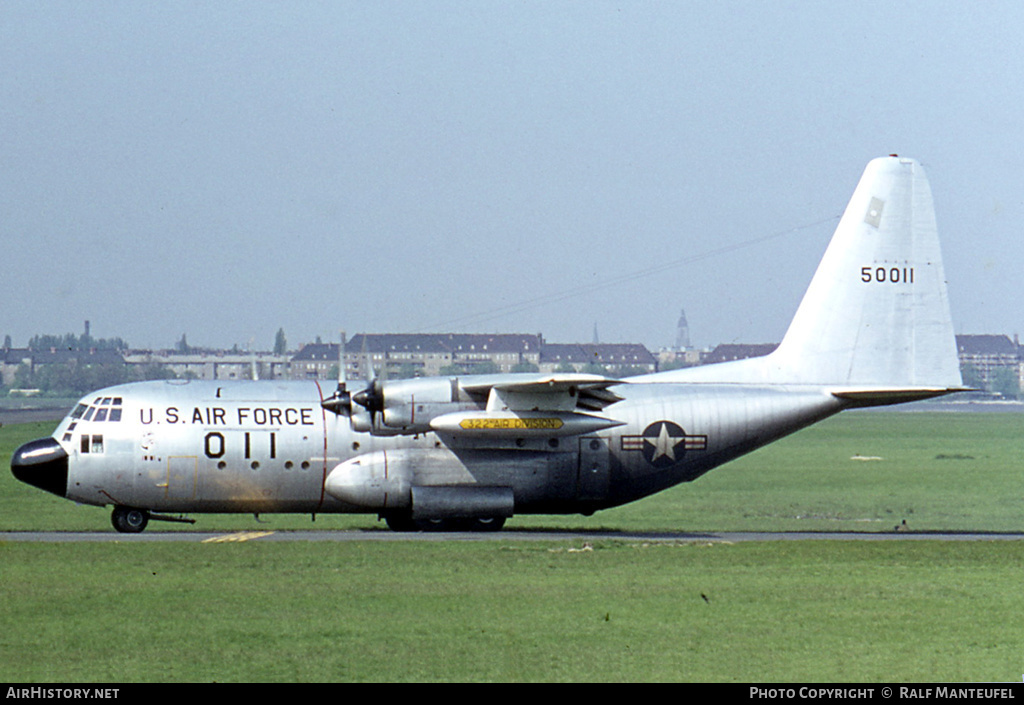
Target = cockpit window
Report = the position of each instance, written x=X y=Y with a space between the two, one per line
x=103 y=409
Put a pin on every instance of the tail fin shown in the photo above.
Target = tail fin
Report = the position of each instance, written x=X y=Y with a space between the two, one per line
x=876 y=312
x=874 y=326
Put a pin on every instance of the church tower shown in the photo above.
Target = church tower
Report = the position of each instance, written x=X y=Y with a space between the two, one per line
x=682 y=332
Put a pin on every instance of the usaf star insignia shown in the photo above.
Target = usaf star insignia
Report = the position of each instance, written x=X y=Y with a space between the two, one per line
x=664 y=443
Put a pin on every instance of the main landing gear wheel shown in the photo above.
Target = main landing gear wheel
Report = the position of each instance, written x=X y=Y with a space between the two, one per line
x=487 y=524
x=128 y=520
x=401 y=522
x=404 y=522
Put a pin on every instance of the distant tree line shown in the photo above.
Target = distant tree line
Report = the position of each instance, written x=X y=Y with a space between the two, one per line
x=74 y=375
x=74 y=378
x=70 y=341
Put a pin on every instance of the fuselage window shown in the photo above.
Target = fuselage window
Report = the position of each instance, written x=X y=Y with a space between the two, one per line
x=92 y=444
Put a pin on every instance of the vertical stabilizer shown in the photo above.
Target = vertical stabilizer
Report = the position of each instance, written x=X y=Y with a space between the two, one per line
x=876 y=312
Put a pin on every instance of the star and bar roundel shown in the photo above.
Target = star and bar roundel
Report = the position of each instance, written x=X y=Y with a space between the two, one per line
x=664 y=443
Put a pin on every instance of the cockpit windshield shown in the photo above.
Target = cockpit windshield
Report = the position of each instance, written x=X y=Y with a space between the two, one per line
x=102 y=409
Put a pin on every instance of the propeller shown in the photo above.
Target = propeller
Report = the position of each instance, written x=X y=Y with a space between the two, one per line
x=371 y=398
x=340 y=402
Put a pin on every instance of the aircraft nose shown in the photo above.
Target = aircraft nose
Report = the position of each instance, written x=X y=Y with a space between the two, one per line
x=42 y=463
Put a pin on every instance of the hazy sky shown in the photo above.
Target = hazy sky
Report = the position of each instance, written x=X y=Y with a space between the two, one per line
x=225 y=169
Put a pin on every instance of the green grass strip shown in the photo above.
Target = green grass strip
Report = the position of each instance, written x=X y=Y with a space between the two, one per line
x=617 y=611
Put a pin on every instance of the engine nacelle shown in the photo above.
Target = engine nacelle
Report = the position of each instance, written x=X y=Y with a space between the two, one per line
x=405 y=406
x=536 y=404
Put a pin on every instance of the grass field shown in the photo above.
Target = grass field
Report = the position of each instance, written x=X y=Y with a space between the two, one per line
x=536 y=611
x=528 y=611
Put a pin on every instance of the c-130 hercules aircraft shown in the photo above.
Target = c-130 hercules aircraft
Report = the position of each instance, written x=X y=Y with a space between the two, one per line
x=469 y=452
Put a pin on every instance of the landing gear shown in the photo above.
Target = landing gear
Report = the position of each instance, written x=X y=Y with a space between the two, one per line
x=401 y=522
x=128 y=520
x=487 y=524
x=405 y=522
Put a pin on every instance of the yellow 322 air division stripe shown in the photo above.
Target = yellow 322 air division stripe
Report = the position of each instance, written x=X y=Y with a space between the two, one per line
x=502 y=424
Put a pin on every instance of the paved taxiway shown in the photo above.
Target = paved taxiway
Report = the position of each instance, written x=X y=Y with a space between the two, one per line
x=383 y=535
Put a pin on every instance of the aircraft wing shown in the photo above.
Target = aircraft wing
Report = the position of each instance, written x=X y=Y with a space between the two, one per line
x=542 y=405
x=554 y=392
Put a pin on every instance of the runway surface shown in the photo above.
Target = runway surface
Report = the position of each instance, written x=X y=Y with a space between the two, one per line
x=506 y=536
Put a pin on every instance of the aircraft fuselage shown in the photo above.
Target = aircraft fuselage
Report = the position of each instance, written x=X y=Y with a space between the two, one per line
x=271 y=447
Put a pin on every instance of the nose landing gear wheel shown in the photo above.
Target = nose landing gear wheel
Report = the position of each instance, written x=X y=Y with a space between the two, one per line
x=128 y=520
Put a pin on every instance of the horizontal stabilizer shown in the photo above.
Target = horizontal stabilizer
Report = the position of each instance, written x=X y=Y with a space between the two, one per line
x=881 y=397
